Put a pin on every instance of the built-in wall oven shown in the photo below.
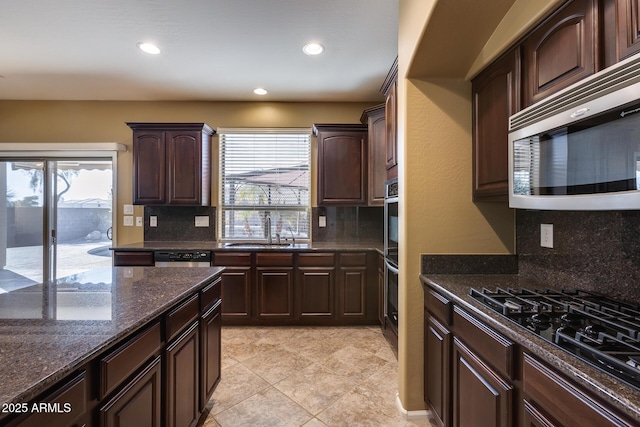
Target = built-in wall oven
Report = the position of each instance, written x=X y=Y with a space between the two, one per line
x=391 y=254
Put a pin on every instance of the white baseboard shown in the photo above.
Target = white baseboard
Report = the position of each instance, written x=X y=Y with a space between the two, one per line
x=411 y=415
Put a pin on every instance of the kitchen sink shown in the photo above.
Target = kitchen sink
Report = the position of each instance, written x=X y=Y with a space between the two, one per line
x=256 y=245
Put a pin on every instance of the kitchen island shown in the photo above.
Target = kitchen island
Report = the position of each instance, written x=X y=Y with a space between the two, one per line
x=75 y=349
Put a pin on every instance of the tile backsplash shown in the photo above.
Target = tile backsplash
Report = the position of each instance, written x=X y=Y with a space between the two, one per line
x=177 y=223
x=348 y=223
x=597 y=251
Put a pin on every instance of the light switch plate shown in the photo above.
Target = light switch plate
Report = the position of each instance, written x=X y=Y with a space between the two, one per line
x=128 y=221
x=153 y=221
x=202 y=221
x=138 y=221
x=128 y=210
x=322 y=221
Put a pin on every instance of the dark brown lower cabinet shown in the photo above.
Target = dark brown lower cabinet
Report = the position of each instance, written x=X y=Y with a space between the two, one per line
x=70 y=397
x=236 y=292
x=236 y=284
x=352 y=285
x=552 y=400
x=274 y=286
x=183 y=379
x=210 y=352
x=139 y=403
x=314 y=292
x=437 y=369
x=480 y=396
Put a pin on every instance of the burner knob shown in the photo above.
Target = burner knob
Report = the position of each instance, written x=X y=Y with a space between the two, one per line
x=540 y=318
x=570 y=318
x=593 y=330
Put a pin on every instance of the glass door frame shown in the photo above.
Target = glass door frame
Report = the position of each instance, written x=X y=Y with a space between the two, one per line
x=49 y=153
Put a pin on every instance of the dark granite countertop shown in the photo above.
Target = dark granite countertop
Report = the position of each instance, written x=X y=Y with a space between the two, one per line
x=457 y=288
x=354 y=245
x=47 y=331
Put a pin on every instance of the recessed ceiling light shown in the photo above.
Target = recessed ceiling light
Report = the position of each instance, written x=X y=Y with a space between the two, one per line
x=313 y=48
x=149 y=48
x=260 y=91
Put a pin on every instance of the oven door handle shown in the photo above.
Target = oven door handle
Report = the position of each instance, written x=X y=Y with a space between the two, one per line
x=393 y=269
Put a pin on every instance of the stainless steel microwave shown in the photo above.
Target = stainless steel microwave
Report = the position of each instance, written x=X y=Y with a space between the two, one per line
x=579 y=149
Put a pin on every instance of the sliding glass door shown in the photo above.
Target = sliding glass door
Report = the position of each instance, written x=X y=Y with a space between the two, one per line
x=55 y=218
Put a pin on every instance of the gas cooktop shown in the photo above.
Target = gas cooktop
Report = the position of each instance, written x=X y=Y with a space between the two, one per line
x=599 y=330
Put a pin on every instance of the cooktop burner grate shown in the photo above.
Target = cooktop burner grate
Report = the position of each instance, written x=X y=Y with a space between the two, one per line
x=599 y=330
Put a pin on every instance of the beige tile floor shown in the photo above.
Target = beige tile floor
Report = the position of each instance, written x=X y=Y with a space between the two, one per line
x=306 y=376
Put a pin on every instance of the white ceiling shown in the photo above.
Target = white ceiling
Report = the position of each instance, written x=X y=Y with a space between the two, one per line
x=213 y=50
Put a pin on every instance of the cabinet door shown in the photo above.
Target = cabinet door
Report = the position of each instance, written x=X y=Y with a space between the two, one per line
x=139 y=403
x=184 y=168
x=315 y=292
x=561 y=51
x=149 y=172
x=342 y=167
x=391 y=129
x=628 y=27
x=210 y=357
x=236 y=293
x=480 y=396
x=183 y=379
x=495 y=98
x=352 y=292
x=71 y=397
x=437 y=369
x=274 y=293
x=377 y=133
x=561 y=400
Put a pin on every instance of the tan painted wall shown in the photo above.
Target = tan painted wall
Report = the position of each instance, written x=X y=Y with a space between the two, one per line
x=435 y=153
x=52 y=121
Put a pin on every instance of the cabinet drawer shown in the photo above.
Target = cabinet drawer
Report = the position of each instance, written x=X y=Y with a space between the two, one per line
x=72 y=395
x=438 y=305
x=280 y=260
x=316 y=260
x=210 y=294
x=125 y=258
x=561 y=400
x=181 y=316
x=491 y=346
x=120 y=364
x=358 y=259
x=231 y=259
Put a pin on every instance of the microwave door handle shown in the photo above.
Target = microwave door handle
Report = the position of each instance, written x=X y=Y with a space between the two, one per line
x=390 y=267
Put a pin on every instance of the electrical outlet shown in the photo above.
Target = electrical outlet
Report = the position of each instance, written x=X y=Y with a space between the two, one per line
x=322 y=221
x=546 y=235
x=153 y=221
x=202 y=221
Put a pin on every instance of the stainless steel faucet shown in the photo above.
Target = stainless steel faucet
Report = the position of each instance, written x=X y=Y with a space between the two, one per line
x=292 y=236
x=269 y=230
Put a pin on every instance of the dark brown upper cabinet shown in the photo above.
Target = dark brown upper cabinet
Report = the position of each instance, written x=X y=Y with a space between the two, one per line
x=390 y=91
x=495 y=98
x=621 y=30
x=171 y=163
x=374 y=118
x=560 y=51
x=342 y=164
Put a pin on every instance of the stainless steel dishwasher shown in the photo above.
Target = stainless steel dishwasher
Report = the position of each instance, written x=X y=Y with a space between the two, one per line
x=182 y=258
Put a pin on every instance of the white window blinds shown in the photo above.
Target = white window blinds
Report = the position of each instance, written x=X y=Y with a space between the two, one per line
x=264 y=174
